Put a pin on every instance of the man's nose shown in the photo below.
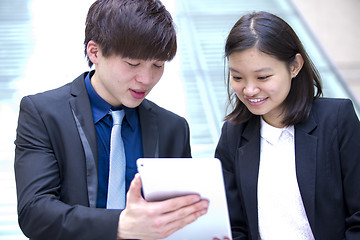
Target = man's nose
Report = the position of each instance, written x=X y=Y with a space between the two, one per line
x=144 y=76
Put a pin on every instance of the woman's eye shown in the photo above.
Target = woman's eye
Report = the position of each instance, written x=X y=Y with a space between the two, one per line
x=236 y=78
x=264 y=77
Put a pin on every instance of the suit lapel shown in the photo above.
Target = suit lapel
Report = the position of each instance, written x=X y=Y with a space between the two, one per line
x=149 y=130
x=247 y=167
x=81 y=109
x=305 y=155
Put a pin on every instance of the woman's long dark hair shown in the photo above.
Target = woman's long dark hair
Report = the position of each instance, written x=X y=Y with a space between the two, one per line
x=272 y=35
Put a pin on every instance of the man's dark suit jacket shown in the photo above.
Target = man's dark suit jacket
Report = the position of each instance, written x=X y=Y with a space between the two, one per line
x=56 y=162
x=327 y=155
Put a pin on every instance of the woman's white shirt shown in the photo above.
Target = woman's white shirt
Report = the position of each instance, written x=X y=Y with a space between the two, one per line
x=281 y=212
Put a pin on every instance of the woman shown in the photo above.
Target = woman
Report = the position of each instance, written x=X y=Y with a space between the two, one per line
x=291 y=159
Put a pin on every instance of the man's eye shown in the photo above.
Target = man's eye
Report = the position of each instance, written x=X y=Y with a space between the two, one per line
x=158 y=66
x=133 y=64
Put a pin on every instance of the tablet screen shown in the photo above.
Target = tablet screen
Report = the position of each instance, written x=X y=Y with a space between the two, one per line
x=164 y=178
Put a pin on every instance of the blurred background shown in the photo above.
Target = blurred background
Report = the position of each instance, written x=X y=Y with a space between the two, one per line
x=41 y=47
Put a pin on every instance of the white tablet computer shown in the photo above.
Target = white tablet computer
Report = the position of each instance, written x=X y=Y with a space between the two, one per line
x=164 y=178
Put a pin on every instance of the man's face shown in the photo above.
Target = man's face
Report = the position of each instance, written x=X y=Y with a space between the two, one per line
x=125 y=81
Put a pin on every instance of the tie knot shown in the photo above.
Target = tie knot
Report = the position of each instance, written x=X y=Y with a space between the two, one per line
x=117 y=116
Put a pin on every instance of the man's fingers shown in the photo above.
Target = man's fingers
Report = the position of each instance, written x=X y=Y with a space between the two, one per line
x=174 y=204
x=160 y=218
x=198 y=208
x=180 y=220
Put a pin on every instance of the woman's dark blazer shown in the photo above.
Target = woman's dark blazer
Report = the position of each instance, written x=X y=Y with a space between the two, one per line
x=327 y=155
x=56 y=162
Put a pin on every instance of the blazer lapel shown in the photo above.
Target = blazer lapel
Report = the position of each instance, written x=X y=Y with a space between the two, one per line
x=247 y=167
x=149 y=130
x=81 y=109
x=305 y=157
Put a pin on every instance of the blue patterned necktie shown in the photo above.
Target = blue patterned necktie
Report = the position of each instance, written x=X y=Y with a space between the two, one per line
x=117 y=166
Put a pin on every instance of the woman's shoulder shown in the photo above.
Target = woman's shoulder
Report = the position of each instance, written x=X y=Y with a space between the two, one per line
x=327 y=101
x=333 y=108
x=331 y=104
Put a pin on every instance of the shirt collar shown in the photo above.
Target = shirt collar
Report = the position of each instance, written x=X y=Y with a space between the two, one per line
x=100 y=108
x=131 y=116
x=271 y=133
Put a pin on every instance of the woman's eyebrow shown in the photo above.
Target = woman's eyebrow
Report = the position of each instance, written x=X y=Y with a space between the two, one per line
x=233 y=70
x=258 y=70
x=263 y=69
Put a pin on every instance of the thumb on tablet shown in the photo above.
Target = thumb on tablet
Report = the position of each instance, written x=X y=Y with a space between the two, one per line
x=135 y=188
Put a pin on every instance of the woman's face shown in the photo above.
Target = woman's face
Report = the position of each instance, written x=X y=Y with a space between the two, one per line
x=261 y=82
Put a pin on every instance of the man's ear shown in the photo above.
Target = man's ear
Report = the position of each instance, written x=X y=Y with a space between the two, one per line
x=93 y=51
x=296 y=65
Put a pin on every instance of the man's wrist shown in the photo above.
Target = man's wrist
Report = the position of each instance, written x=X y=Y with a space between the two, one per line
x=121 y=233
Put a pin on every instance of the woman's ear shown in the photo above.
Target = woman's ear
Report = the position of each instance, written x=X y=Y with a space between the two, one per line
x=296 y=65
x=92 y=50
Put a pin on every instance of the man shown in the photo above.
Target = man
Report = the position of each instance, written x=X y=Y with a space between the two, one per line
x=63 y=135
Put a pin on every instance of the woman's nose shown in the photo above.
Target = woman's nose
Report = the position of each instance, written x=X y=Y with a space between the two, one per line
x=250 y=90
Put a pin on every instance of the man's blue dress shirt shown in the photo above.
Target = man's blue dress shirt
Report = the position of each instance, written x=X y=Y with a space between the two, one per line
x=130 y=132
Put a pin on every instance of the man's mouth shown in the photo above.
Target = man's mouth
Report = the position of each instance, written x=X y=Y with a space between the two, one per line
x=138 y=94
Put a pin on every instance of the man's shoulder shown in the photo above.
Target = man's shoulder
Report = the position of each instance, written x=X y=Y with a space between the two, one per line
x=159 y=111
x=51 y=101
x=59 y=93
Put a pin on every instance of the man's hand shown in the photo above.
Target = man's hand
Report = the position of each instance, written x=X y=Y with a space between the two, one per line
x=155 y=220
